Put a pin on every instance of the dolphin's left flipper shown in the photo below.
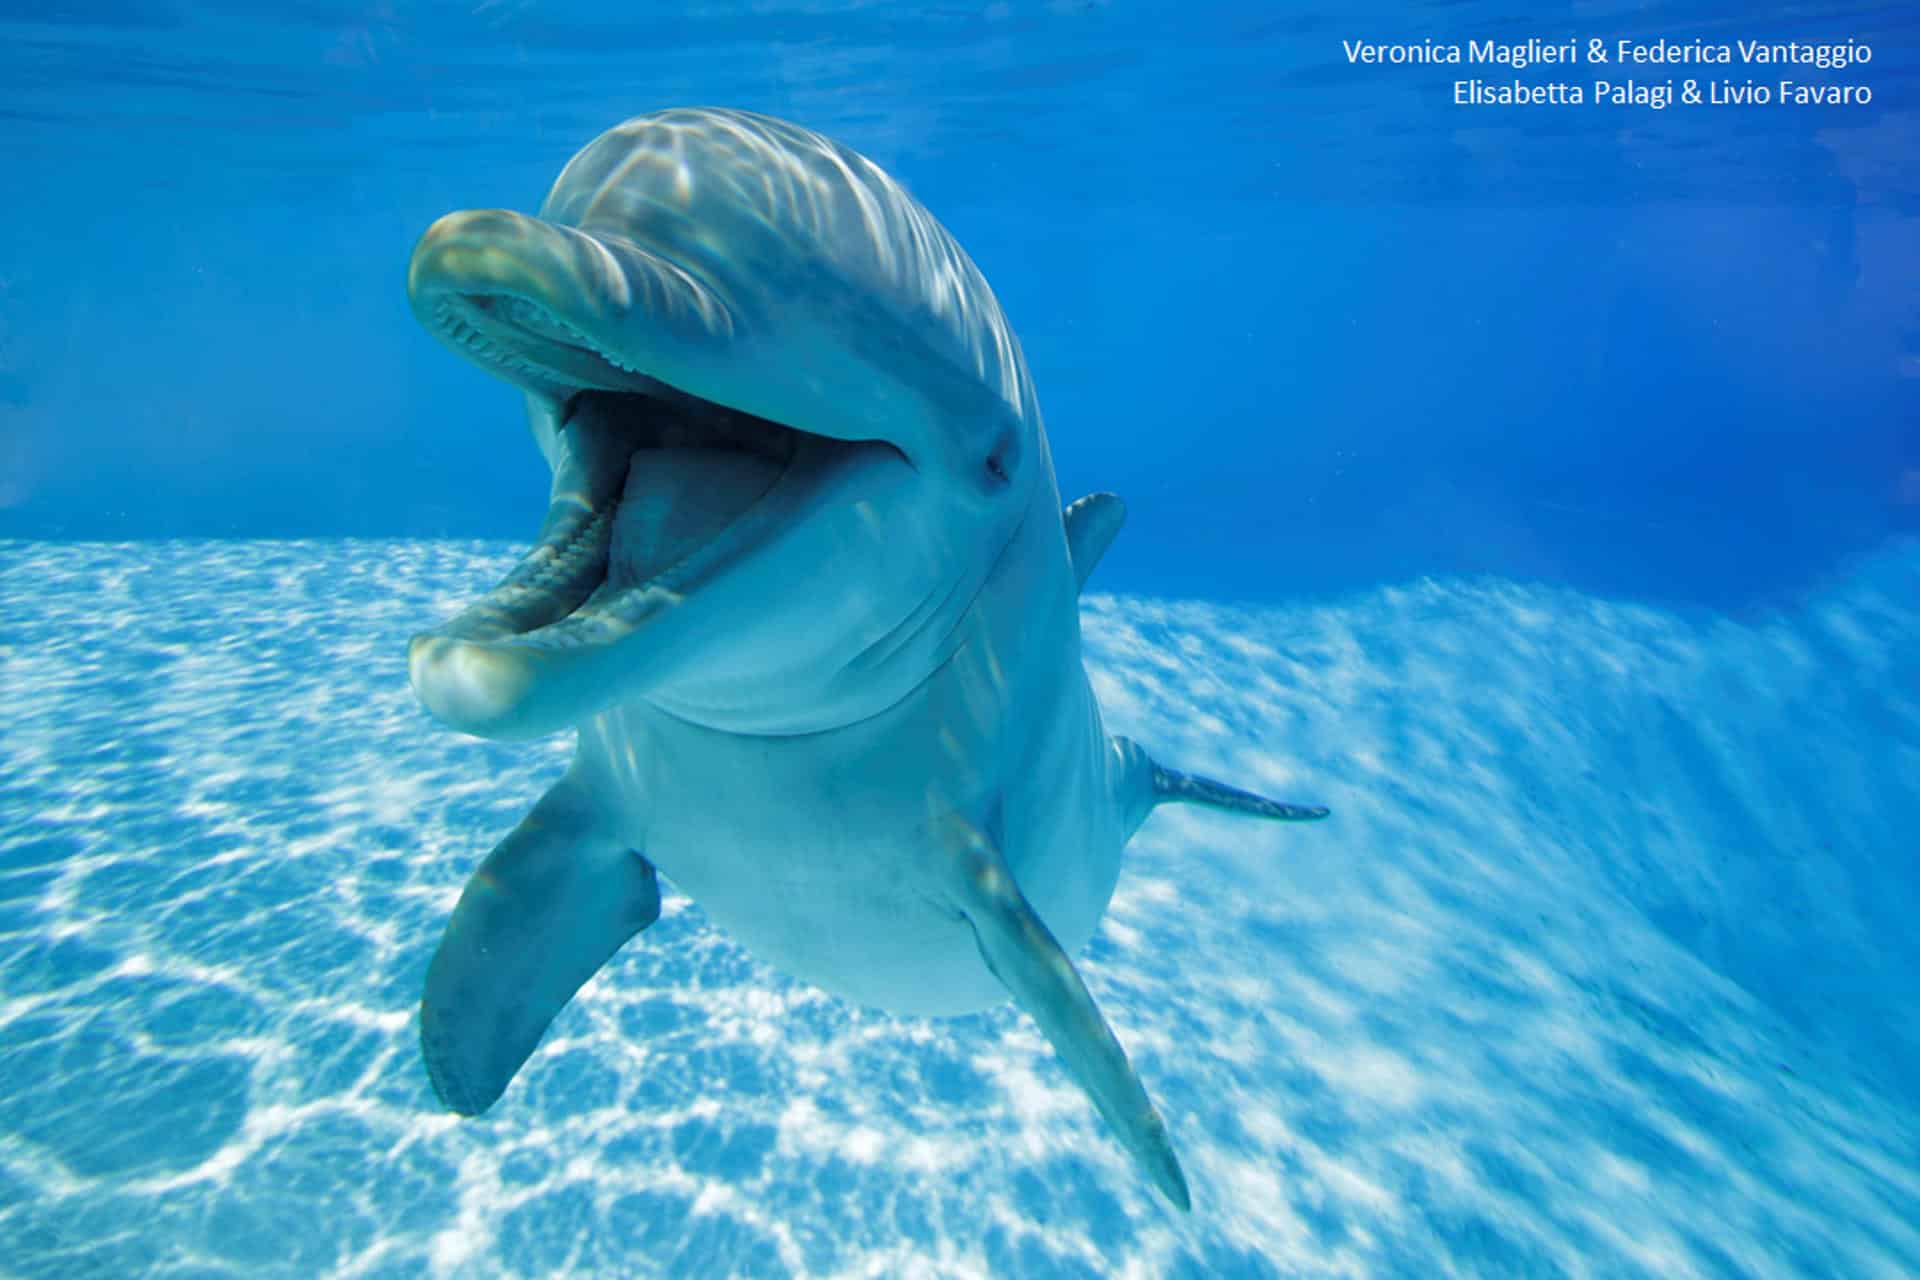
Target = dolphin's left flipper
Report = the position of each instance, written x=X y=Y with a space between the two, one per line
x=1022 y=953
x=1170 y=786
x=1144 y=783
x=547 y=908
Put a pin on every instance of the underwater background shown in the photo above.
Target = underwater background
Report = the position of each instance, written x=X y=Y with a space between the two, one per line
x=1539 y=488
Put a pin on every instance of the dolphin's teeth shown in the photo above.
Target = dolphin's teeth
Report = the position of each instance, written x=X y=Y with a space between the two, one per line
x=556 y=575
x=569 y=557
x=531 y=317
x=467 y=671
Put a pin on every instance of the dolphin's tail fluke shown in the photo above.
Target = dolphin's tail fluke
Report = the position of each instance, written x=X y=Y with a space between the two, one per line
x=1145 y=783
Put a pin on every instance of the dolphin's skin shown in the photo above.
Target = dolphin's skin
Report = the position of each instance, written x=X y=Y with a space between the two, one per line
x=806 y=592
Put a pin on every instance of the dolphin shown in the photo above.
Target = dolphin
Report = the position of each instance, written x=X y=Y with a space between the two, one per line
x=807 y=595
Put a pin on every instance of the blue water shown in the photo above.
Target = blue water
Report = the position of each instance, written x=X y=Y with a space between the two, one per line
x=1539 y=490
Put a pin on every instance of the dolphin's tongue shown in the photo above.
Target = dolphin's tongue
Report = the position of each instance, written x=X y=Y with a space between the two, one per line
x=677 y=500
x=647 y=502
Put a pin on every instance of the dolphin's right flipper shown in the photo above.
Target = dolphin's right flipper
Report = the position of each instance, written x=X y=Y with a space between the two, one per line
x=1023 y=955
x=547 y=908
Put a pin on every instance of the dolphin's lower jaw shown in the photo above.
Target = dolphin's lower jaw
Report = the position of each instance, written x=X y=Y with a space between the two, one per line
x=654 y=498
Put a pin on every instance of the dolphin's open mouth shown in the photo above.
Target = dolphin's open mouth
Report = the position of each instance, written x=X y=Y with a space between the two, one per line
x=655 y=491
x=650 y=486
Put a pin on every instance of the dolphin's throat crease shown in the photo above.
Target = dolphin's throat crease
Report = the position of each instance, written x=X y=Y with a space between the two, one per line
x=805 y=591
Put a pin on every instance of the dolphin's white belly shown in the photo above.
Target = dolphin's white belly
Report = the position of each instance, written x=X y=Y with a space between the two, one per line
x=813 y=851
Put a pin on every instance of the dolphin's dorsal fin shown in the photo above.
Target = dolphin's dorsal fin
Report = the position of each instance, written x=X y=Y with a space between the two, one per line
x=1145 y=783
x=1091 y=523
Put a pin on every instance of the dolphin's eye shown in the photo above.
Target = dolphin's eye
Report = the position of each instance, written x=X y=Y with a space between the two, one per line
x=1004 y=458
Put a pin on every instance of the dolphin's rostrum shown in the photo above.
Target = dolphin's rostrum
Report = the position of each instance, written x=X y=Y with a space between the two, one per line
x=805 y=590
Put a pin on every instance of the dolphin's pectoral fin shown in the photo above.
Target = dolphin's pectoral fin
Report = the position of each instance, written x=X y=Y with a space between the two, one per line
x=1021 y=952
x=1091 y=523
x=547 y=908
x=1170 y=786
x=1145 y=782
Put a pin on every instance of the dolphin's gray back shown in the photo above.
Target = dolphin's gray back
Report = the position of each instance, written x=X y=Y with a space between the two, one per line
x=745 y=197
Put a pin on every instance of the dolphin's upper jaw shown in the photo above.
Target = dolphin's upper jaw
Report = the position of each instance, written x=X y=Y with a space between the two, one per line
x=523 y=343
x=528 y=341
x=531 y=301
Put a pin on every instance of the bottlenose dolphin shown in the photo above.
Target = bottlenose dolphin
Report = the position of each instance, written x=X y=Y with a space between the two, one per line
x=806 y=591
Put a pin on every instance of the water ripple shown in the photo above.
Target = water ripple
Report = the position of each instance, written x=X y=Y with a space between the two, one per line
x=1493 y=1017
